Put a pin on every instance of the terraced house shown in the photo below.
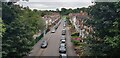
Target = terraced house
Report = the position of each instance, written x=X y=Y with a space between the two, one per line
x=79 y=22
x=51 y=19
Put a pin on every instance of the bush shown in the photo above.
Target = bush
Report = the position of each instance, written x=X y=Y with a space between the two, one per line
x=75 y=34
x=76 y=42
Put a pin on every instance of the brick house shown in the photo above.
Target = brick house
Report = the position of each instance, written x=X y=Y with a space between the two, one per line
x=52 y=19
x=78 y=20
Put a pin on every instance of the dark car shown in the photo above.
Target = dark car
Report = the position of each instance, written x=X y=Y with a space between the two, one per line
x=44 y=44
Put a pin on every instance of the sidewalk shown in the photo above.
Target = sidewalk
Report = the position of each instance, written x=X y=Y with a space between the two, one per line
x=70 y=45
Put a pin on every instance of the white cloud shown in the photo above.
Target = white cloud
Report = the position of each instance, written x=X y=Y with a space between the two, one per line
x=60 y=0
x=54 y=5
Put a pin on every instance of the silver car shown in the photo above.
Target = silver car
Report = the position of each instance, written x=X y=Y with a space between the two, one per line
x=63 y=55
x=53 y=31
x=64 y=25
x=63 y=37
x=63 y=41
x=44 y=44
x=62 y=45
x=62 y=49
x=63 y=32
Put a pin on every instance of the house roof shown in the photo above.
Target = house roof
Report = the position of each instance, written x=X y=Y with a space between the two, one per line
x=52 y=16
x=81 y=15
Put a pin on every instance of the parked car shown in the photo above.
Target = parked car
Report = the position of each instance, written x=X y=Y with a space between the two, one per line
x=44 y=44
x=53 y=30
x=63 y=41
x=63 y=32
x=62 y=49
x=56 y=26
x=62 y=45
x=63 y=55
x=64 y=25
x=63 y=37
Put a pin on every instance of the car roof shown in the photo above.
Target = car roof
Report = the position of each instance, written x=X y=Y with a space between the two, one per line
x=63 y=36
x=62 y=47
x=62 y=44
x=63 y=39
x=63 y=54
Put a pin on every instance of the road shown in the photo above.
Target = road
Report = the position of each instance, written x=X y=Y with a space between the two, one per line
x=53 y=44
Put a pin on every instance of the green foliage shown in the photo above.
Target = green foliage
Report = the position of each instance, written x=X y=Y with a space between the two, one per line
x=106 y=20
x=2 y=28
x=8 y=14
x=65 y=11
x=43 y=14
x=76 y=42
x=68 y=21
x=75 y=34
x=67 y=18
x=113 y=41
x=57 y=10
x=21 y=24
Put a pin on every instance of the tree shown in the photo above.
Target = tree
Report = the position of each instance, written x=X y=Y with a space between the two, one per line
x=105 y=19
x=2 y=30
x=35 y=10
x=57 y=10
x=63 y=11
x=21 y=24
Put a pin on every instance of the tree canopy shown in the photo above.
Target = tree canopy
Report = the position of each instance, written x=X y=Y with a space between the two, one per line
x=20 y=24
x=106 y=20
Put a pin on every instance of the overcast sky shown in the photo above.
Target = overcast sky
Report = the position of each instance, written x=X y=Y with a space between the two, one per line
x=54 y=4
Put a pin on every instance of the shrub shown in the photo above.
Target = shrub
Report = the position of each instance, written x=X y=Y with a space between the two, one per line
x=76 y=42
x=75 y=34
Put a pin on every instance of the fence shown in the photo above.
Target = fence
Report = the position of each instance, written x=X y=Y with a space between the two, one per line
x=41 y=36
